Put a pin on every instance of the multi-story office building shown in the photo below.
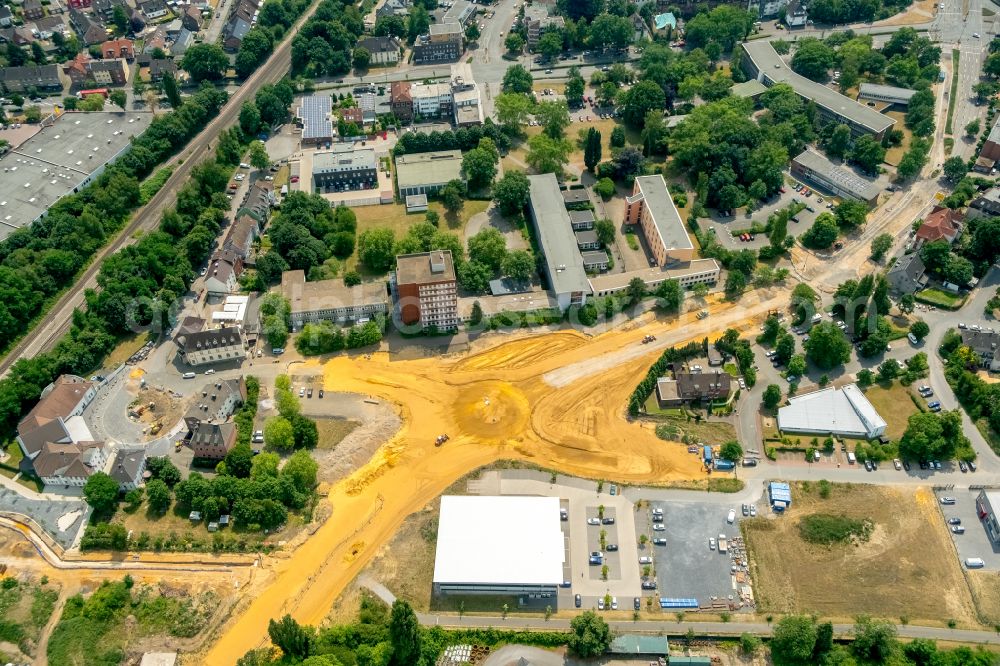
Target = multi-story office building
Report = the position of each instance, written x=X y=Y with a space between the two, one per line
x=331 y=300
x=652 y=208
x=345 y=168
x=426 y=289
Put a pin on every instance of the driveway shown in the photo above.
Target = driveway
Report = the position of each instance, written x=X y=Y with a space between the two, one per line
x=491 y=217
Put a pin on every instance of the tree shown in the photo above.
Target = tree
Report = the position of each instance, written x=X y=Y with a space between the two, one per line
x=794 y=640
x=920 y=329
x=476 y=316
x=513 y=110
x=474 y=276
x=304 y=430
x=813 y=59
x=264 y=466
x=239 y=460
x=605 y=230
x=823 y=232
x=973 y=128
x=119 y=19
x=480 y=167
x=514 y=43
x=553 y=117
x=731 y=450
x=592 y=149
x=838 y=141
x=488 y=247
x=517 y=80
x=640 y=99
x=375 y=248
x=827 y=347
x=101 y=493
x=888 y=370
x=590 y=635
x=609 y=31
x=259 y=158
x=850 y=213
x=772 y=396
x=157 y=496
x=618 y=137
x=278 y=433
x=292 y=638
x=635 y=291
x=549 y=44
x=547 y=155
x=301 y=469
x=511 y=192
x=880 y=245
x=117 y=96
x=865 y=378
x=670 y=295
x=518 y=265
x=906 y=303
x=170 y=90
x=404 y=634
x=933 y=436
x=418 y=22
x=867 y=153
x=797 y=365
x=574 y=88
x=451 y=196
x=955 y=168
x=472 y=32
x=874 y=640
x=361 y=57
x=205 y=62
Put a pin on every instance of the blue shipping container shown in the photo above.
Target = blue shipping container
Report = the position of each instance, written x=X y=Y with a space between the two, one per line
x=725 y=464
x=708 y=454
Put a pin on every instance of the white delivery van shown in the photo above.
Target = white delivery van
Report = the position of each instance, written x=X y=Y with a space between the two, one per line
x=188 y=375
x=850 y=457
x=974 y=563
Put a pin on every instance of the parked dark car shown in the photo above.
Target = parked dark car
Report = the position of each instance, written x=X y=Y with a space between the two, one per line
x=578 y=601
x=607 y=521
x=649 y=584
x=659 y=542
x=636 y=603
x=612 y=547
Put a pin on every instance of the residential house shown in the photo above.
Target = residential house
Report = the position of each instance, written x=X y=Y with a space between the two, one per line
x=109 y=72
x=79 y=4
x=258 y=202
x=78 y=70
x=183 y=41
x=212 y=441
x=443 y=44
x=128 y=468
x=90 y=30
x=32 y=10
x=44 y=78
x=159 y=68
x=216 y=402
x=118 y=48
x=537 y=20
x=795 y=14
x=587 y=240
x=69 y=464
x=401 y=100
x=941 y=224
x=224 y=270
x=366 y=102
x=241 y=235
x=987 y=203
x=431 y=99
x=216 y=345
x=154 y=9
x=466 y=102
x=352 y=115
x=984 y=343
x=20 y=36
x=595 y=261
x=50 y=25
x=192 y=18
x=392 y=8
x=105 y=9
x=383 y=50
x=688 y=387
x=242 y=17
x=907 y=275
x=57 y=417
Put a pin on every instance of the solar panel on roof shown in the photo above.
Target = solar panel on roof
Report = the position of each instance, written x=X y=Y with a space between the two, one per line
x=315 y=114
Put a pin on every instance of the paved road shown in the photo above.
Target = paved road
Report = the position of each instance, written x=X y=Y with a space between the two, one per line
x=701 y=629
x=59 y=318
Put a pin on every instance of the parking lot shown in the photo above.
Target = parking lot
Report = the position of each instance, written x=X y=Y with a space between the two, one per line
x=974 y=542
x=685 y=567
x=724 y=226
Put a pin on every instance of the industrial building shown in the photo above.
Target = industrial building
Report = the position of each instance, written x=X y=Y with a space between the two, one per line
x=761 y=62
x=886 y=94
x=780 y=495
x=331 y=300
x=426 y=173
x=813 y=167
x=841 y=411
x=652 y=208
x=315 y=114
x=426 y=289
x=987 y=504
x=509 y=545
x=61 y=158
x=345 y=168
x=564 y=268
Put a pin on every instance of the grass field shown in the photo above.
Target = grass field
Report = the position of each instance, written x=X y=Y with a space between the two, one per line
x=124 y=349
x=893 y=155
x=710 y=432
x=940 y=298
x=28 y=605
x=333 y=431
x=908 y=568
x=986 y=592
x=394 y=217
x=894 y=404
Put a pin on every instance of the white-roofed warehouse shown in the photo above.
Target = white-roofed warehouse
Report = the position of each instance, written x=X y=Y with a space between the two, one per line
x=844 y=411
x=509 y=545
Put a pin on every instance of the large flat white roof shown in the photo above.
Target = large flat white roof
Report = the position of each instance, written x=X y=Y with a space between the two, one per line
x=843 y=411
x=507 y=540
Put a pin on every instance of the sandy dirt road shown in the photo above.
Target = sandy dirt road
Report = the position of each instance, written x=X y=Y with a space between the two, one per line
x=550 y=398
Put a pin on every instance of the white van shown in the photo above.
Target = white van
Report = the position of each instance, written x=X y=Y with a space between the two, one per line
x=850 y=457
x=974 y=563
x=188 y=375
x=912 y=338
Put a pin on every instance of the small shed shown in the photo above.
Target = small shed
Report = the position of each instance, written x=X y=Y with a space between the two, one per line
x=213 y=526
x=224 y=520
x=194 y=516
x=416 y=203
x=780 y=491
x=637 y=644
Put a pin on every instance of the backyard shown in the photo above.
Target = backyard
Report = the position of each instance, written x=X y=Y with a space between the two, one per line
x=907 y=568
x=940 y=298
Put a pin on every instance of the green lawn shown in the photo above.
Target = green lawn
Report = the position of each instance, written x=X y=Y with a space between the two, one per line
x=893 y=403
x=940 y=298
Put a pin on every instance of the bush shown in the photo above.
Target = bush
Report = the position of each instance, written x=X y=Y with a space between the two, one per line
x=828 y=529
x=605 y=188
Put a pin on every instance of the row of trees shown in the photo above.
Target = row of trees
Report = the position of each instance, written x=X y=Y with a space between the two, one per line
x=325 y=337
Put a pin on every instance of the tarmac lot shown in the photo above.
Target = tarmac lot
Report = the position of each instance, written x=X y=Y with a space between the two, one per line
x=725 y=226
x=685 y=567
x=974 y=542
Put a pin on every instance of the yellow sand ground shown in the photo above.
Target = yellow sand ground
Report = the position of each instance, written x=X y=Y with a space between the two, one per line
x=495 y=403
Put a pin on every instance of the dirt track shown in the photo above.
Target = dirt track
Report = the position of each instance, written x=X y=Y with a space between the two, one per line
x=495 y=403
